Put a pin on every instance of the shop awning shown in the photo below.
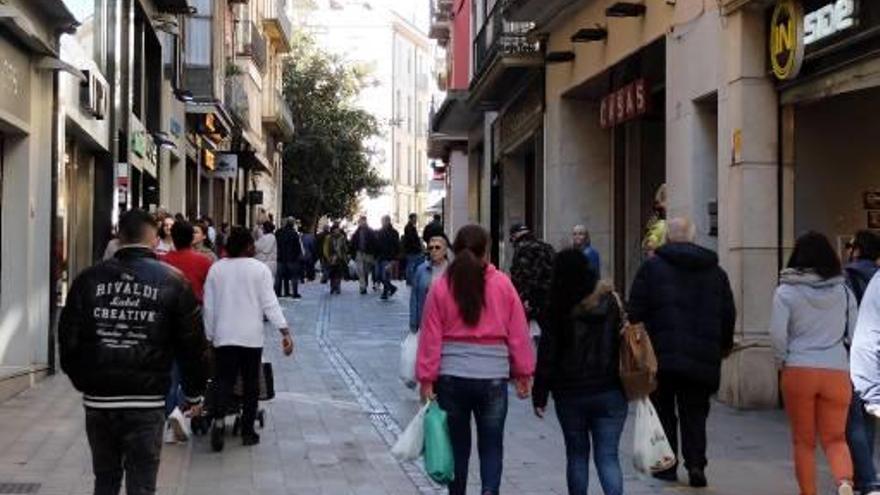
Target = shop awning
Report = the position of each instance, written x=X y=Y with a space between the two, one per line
x=454 y=117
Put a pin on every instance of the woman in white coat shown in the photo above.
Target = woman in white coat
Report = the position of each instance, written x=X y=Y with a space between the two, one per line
x=267 y=247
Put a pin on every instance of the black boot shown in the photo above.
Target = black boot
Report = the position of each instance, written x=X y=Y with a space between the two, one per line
x=670 y=474
x=218 y=435
x=250 y=438
x=697 y=478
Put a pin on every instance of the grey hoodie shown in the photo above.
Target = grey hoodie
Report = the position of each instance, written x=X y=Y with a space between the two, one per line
x=812 y=318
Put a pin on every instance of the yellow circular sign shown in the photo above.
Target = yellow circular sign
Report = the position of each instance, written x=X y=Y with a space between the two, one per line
x=787 y=39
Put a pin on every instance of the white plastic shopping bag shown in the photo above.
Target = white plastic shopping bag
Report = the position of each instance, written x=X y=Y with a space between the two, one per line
x=411 y=442
x=408 y=350
x=651 y=450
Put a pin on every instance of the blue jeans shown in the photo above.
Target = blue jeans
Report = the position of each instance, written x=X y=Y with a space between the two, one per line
x=174 y=397
x=860 y=429
x=486 y=401
x=595 y=419
x=412 y=262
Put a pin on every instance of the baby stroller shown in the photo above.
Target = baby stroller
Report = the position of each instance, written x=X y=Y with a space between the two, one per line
x=201 y=425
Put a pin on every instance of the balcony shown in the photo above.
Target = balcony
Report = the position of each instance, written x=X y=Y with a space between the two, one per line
x=441 y=21
x=503 y=52
x=277 y=117
x=250 y=43
x=277 y=25
x=237 y=99
x=538 y=11
x=173 y=6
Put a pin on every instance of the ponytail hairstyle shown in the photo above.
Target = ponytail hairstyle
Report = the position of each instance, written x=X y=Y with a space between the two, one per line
x=467 y=273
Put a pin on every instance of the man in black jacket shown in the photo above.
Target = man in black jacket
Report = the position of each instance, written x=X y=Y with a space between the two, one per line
x=290 y=252
x=531 y=271
x=684 y=299
x=363 y=245
x=124 y=323
x=412 y=247
x=433 y=229
x=389 y=251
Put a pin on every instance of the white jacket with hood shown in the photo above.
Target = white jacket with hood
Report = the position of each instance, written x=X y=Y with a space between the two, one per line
x=812 y=320
x=865 y=352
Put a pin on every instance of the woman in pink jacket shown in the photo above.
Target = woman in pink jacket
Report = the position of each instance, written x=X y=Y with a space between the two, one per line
x=474 y=337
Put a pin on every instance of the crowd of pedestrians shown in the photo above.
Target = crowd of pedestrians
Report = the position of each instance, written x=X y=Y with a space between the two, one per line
x=178 y=309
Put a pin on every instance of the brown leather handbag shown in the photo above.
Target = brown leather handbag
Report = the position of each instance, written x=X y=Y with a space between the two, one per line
x=638 y=363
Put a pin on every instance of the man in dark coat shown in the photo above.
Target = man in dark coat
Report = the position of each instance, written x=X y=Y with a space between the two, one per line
x=412 y=247
x=389 y=252
x=290 y=252
x=684 y=299
x=531 y=271
x=433 y=229
x=363 y=245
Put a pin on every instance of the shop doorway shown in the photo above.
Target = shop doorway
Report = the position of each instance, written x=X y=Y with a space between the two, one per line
x=836 y=181
x=705 y=180
x=639 y=170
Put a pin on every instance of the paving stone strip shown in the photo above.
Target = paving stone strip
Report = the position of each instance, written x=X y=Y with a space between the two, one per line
x=378 y=412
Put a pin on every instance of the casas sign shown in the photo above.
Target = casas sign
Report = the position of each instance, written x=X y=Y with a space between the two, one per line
x=787 y=39
x=624 y=104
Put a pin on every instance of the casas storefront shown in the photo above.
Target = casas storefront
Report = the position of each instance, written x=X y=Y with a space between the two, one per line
x=825 y=56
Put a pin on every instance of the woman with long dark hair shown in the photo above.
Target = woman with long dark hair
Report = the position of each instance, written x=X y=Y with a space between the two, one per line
x=474 y=337
x=814 y=314
x=578 y=362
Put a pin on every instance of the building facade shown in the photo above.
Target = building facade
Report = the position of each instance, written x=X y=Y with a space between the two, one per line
x=397 y=53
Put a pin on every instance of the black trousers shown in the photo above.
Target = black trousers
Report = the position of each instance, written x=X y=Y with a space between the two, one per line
x=231 y=362
x=287 y=279
x=683 y=405
x=125 y=442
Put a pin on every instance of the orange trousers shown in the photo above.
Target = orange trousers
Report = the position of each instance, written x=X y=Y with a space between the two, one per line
x=817 y=402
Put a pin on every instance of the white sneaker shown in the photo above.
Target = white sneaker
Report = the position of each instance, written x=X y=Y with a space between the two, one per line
x=179 y=425
x=169 y=436
x=845 y=488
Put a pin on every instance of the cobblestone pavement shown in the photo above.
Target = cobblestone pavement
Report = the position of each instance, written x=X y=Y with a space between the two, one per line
x=339 y=404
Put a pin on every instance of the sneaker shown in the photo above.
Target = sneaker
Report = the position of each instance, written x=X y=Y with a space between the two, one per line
x=845 y=488
x=249 y=439
x=218 y=434
x=177 y=423
x=169 y=437
x=393 y=290
x=697 y=478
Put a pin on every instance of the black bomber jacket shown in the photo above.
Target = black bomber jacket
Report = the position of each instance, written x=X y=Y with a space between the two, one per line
x=126 y=320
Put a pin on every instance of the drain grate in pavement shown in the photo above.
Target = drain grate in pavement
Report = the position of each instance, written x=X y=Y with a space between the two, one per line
x=384 y=424
x=7 y=488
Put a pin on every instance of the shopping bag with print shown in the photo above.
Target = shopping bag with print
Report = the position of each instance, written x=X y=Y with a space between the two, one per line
x=408 y=350
x=411 y=442
x=439 y=462
x=651 y=450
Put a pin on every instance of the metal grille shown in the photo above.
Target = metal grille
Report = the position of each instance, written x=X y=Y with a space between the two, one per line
x=7 y=488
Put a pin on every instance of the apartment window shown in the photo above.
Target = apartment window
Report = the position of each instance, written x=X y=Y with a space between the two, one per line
x=395 y=176
x=409 y=113
x=410 y=166
x=398 y=109
x=198 y=35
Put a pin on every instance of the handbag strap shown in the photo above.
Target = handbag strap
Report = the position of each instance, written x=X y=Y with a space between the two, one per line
x=622 y=309
x=846 y=318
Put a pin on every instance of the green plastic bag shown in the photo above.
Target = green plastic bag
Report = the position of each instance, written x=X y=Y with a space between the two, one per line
x=439 y=462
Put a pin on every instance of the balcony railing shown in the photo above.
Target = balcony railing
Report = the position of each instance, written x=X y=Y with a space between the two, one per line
x=277 y=115
x=499 y=38
x=276 y=23
x=441 y=17
x=237 y=99
x=250 y=43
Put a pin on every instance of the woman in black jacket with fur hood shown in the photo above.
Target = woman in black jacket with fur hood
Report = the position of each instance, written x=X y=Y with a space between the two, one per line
x=578 y=364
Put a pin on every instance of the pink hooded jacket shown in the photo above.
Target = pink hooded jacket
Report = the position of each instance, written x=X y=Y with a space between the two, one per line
x=503 y=321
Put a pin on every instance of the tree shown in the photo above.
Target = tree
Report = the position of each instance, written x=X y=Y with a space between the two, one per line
x=328 y=164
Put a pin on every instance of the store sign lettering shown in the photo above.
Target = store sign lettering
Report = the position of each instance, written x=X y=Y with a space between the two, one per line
x=624 y=104
x=786 y=39
x=829 y=20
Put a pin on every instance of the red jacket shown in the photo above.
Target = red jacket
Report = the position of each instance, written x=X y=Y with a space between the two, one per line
x=194 y=266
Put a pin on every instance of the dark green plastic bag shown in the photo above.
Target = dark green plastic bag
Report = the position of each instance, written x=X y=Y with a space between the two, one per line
x=439 y=462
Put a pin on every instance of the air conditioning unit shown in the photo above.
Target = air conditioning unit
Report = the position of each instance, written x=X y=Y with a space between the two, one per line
x=93 y=94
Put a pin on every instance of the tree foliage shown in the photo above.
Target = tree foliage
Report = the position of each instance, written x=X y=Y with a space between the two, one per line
x=328 y=163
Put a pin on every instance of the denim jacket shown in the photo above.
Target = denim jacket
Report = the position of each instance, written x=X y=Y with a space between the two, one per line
x=419 y=294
